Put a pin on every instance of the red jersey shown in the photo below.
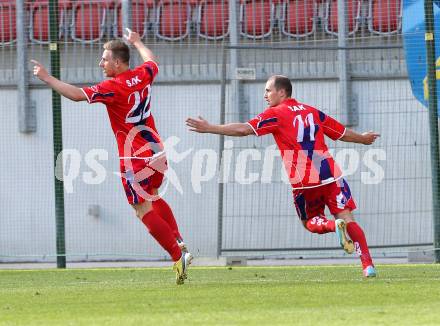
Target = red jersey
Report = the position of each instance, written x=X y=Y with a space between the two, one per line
x=127 y=98
x=299 y=130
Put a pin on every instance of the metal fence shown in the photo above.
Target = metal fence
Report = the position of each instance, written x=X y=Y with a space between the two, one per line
x=187 y=35
x=394 y=202
x=214 y=58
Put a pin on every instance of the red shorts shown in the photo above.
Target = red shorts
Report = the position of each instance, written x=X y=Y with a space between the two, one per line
x=141 y=176
x=311 y=202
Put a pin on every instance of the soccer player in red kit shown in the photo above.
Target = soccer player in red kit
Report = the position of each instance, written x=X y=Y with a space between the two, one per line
x=127 y=96
x=317 y=181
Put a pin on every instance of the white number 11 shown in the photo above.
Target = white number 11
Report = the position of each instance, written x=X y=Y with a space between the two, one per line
x=308 y=119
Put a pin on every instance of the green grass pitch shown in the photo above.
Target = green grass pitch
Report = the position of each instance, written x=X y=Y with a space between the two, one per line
x=319 y=295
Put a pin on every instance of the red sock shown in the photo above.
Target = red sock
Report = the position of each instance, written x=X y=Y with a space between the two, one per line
x=161 y=207
x=319 y=224
x=360 y=243
x=163 y=234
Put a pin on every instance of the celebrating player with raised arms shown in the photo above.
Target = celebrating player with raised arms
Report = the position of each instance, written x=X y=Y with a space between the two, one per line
x=127 y=95
x=317 y=181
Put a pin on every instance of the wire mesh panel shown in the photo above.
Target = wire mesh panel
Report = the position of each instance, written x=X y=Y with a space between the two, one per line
x=187 y=35
x=99 y=224
x=390 y=180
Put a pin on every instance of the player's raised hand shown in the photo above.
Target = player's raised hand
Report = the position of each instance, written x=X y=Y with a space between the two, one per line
x=369 y=137
x=198 y=125
x=132 y=37
x=39 y=70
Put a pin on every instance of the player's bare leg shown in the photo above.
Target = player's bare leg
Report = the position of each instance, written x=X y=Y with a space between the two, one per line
x=357 y=235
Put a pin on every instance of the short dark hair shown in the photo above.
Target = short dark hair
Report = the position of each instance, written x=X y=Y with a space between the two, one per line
x=119 y=49
x=282 y=82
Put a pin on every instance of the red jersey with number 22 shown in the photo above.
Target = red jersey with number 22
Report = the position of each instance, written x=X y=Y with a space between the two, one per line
x=127 y=98
x=299 y=131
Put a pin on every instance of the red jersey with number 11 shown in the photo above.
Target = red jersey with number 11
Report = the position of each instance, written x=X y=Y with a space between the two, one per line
x=299 y=130
x=127 y=98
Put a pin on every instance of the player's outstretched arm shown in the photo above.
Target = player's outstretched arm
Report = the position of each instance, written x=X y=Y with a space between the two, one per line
x=71 y=92
x=231 y=129
x=135 y=39
x=366 y=138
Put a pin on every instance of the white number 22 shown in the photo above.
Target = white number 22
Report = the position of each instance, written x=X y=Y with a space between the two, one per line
x=136 y=113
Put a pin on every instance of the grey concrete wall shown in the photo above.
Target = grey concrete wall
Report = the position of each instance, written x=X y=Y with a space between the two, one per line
x=394 y=211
